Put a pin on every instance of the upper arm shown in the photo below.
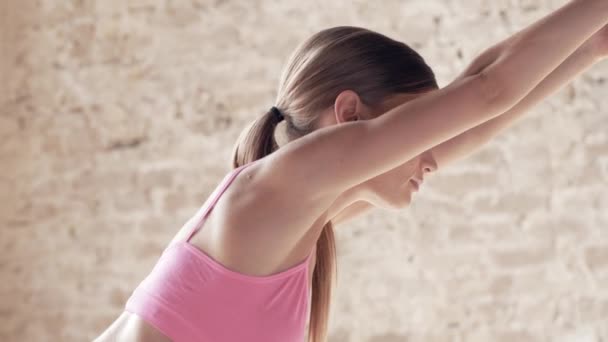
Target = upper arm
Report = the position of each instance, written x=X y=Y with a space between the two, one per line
x=333 y=159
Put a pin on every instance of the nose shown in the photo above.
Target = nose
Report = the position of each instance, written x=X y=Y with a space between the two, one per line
x=428 y=162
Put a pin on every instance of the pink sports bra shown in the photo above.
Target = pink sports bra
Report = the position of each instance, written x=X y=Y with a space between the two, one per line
x=189 y=296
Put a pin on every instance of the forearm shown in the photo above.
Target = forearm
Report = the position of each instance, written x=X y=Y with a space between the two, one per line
x=472 y=140
x=528 y=57
x=577 y=63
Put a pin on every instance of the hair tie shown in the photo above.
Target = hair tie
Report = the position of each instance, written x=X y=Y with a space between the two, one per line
x=277 y=113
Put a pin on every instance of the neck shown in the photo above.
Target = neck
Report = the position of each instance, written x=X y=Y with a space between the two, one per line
x=344 y=202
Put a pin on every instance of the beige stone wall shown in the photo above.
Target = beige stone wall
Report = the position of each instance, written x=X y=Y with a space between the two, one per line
x=118 y=117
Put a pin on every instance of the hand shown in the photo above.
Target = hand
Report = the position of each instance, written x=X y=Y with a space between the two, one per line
x=599 y=42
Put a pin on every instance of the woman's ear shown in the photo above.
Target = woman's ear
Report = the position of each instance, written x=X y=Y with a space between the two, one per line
x=348 y=107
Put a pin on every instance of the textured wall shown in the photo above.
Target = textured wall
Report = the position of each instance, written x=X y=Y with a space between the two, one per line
x=118 y=117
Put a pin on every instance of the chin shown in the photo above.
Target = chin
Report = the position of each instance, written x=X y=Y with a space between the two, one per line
x=405 y=198
x=397 y=204
x=391 y=201
x=404 y=204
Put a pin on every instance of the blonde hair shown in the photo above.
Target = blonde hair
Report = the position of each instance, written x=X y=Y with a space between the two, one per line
x=329 y=62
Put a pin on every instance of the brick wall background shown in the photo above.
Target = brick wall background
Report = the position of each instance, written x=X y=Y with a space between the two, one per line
x=118 y=118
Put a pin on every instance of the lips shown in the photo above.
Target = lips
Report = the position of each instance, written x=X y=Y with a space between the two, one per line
x=416 y=185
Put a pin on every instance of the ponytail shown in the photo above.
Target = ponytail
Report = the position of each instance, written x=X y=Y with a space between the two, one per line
x=256 y=141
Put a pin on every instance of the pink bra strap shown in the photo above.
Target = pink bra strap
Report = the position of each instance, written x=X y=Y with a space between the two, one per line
x=218 y=192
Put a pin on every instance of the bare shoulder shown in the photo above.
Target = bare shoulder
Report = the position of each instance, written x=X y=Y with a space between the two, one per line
x=257 y=226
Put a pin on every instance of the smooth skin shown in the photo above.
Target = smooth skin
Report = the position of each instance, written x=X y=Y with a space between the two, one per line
x=355 y=163
x=460 y=147
x=336 y=166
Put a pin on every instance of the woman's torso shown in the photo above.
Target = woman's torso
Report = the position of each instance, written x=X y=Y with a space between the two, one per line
x=131 y=327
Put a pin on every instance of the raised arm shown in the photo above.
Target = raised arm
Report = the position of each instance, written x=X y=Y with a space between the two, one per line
x=474 y=139
x=534 y=52
x=333 y=159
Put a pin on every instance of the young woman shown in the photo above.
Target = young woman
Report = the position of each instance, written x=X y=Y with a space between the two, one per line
x=366 y=123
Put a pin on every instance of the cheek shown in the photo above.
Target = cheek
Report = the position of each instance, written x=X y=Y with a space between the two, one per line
x=390 y=182
x=401 y=174
x=410 y=168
